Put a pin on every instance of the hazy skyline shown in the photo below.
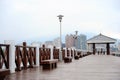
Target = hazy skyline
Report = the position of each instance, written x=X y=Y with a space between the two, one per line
x=27 y=19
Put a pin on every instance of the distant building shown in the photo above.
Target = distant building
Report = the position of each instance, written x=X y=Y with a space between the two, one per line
x=80 y=42
x=69 y=41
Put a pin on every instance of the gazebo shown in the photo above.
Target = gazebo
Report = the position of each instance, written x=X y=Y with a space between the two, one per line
x=101 y=39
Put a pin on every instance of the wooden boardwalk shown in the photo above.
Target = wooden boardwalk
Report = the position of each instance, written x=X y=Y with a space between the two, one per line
x=93 y=67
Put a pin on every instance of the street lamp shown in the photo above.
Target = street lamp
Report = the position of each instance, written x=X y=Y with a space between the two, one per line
x=76 y=42
x=60 y=20
x=75 y=37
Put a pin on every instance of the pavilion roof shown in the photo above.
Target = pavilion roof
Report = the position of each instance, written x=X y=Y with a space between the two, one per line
x=101 y=39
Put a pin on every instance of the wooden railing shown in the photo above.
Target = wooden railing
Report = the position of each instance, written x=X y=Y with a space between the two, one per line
x=44 y=53
x=4 y=56
x=25 y=57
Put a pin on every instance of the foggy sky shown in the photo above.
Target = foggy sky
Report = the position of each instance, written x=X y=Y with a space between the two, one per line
x=29 y=19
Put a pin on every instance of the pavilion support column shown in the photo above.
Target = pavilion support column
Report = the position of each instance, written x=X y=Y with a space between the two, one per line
x=108 y=49
x=88 y=47
x=94 y=48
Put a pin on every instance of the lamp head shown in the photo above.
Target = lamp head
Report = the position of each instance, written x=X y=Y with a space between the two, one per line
x=60 y=17
x=76 y=32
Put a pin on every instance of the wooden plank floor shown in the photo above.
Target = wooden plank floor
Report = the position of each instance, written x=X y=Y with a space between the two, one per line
x=93 y=67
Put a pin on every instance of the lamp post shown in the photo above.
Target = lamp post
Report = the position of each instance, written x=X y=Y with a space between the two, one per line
x=60 y=53
x=76 y=36
x=76 y=42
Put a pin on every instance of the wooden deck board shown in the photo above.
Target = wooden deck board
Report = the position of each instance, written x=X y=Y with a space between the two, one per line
x=93 y=67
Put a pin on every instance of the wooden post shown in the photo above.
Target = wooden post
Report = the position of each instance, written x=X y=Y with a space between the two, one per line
x=108 y=49
x=30 y=58
x=18 y=58
x=63 y=53
x=67 y=52
x=25 y=55
x=54 y=52
x=94 y=48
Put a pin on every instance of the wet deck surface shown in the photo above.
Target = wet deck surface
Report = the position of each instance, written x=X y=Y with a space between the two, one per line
x=93 y=67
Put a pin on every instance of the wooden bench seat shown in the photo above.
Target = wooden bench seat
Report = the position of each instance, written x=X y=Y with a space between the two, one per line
x=68 y=59
x=4 y=73
x=76 y=57
x=49 y=64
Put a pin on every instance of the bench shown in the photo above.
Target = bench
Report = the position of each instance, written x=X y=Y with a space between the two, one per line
x=4 y=73
x=76 y=57
x=49 y=64
x=68 y=59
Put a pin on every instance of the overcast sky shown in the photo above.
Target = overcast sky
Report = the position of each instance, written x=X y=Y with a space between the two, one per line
x=29 y=19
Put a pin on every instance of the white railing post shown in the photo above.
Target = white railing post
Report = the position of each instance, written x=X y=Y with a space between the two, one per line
x=51 y=57
x=69 y=52
x=11 y=55
x=73 y=52
x=65 y=52
x=60 y=53
x=51 y=51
